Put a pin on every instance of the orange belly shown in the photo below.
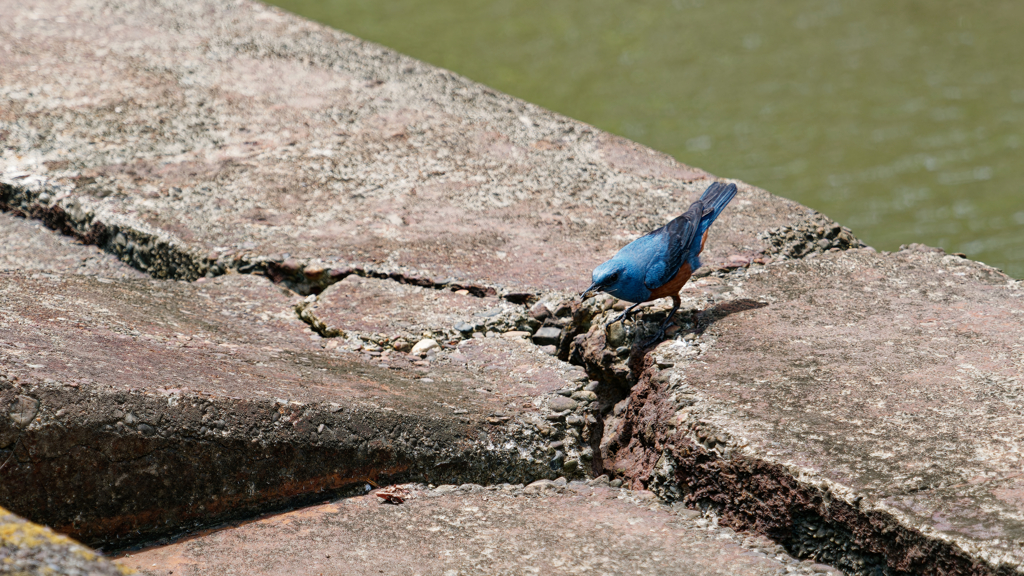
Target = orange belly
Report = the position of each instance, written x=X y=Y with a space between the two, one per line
x=673 y=286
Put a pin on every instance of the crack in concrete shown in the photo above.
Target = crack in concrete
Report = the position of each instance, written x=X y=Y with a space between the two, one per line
x=612 y=375
x=161 y=256
x=281 y=469
x=155 y=253
x=705 y=468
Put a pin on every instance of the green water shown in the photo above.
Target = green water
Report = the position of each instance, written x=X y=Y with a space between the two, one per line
x=902 y=119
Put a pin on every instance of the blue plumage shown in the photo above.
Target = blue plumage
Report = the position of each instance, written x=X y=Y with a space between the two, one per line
x=660 y=263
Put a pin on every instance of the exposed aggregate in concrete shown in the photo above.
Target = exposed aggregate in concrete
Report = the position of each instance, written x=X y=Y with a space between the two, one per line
x=225 y=405
x=27 y=245
x=376 y=176
x=815 y=235
x=735 y=423
x=360 y=159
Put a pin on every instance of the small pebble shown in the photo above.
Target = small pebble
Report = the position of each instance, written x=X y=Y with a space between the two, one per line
x=465 y=328
x=584 y=396
x=689 y=514
x=558 y=460
x=539 y=312
x=561 y=403
x=424 y=346
x=616 y=335
x=548 y=335
x=539 y=486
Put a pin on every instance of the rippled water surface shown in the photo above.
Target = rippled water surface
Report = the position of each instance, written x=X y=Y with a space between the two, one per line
x=902 y=119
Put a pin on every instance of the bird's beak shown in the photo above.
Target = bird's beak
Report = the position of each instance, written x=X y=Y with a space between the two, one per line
x=587 y=293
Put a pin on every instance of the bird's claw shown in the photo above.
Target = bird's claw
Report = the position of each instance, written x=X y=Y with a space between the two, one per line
x=625 y=315
x=664 y=325
x=654 y=339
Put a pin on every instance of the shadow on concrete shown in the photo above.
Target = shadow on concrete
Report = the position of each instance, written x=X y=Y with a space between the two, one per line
x=709 y=316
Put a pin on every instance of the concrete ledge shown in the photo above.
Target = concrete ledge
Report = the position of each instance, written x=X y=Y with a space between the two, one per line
x=867 y=413
x=137 y=409
x=858 y=408
x=353 y=157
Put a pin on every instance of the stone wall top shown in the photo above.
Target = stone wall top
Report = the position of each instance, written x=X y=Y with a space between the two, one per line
x=233 y=132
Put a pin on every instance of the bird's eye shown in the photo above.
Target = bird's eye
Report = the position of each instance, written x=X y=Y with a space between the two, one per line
x=613 y=277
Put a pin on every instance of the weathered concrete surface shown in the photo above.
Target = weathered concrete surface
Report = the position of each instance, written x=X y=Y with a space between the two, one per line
x=369 y=306
x=28 y=245
x=153 y=132
x=868 y=412
x=194 y=137
x=504 y=530
x=862 y=409
x=136 y=408
x=27 y=548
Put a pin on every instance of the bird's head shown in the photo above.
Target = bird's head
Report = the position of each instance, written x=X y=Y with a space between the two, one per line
x=615 y=277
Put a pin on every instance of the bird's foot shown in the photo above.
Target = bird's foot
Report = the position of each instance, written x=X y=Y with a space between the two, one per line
x=625 y=315
x=664 y=325
x=657 y=337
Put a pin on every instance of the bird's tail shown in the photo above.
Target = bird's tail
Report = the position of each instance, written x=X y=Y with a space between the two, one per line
x=714 y=199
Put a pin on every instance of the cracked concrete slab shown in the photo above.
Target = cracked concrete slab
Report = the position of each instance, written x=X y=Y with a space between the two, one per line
x=152 y=131
x=29 y=245
x=395 y=310
x=873 y=400
x=860 y=409
x=137 y=408
x=472 y=530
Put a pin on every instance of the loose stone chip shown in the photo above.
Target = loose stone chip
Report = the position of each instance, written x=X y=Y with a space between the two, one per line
x=393 y=494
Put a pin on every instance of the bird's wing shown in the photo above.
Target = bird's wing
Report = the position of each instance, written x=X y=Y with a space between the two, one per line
x=714 y=200
x=674 y=241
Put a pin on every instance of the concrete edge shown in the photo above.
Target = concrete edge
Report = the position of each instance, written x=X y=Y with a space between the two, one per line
x=195 y=460
x=695 y=463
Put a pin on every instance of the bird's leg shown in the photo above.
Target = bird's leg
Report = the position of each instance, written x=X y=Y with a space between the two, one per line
x=676 y=302
x=625 y=315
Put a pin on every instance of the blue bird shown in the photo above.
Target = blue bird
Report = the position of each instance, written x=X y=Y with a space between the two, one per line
x=659 y=264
